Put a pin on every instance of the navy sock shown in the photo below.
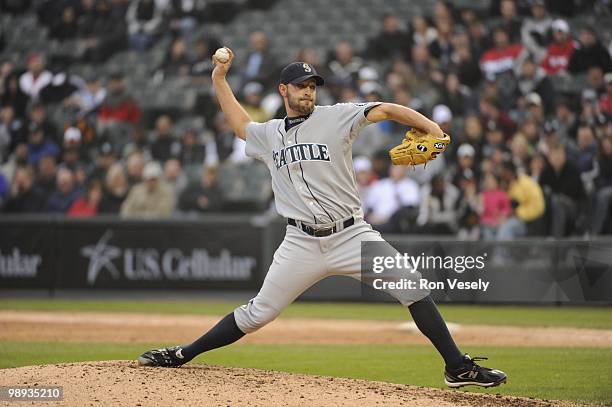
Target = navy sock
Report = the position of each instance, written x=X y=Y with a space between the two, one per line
x=224 y=333
x=429 y=321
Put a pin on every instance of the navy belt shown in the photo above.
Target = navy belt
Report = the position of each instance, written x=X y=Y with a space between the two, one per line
x=321 y=232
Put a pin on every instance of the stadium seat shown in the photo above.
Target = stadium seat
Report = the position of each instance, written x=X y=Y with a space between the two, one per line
x=245 y=186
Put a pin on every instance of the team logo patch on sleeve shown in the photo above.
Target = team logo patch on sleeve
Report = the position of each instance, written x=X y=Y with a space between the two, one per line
x=421 y=148
x=300 y=152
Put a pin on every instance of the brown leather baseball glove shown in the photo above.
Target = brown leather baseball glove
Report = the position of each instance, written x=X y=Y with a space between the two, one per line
x=419 y=147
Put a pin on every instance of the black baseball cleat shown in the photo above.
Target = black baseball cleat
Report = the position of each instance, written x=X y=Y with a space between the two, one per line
x=470 y=373
x=165 y=357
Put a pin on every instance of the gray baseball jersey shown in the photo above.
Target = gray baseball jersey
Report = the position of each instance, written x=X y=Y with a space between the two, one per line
x=311 y=163
x=314 y=182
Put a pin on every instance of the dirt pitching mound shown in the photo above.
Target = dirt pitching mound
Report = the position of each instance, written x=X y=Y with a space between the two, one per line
x=126 y=384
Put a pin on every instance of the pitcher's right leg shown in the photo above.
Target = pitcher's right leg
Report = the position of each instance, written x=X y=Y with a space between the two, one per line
x=297 y=265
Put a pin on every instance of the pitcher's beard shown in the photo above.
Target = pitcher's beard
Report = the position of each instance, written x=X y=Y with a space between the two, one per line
x=295 y=105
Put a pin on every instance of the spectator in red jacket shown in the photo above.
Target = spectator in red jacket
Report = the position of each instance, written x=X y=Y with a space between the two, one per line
x=560 y=51
x=502 y=56
x=118 y=106
x=605 y=101
x=87 y=205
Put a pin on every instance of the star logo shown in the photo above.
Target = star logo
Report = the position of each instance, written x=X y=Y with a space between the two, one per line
x=101 y=256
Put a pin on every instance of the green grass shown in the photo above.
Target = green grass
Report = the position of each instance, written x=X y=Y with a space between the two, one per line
x=577 y=374
x=580 y=317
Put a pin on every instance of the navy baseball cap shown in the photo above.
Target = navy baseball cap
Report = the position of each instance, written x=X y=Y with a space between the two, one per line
x=298 y=72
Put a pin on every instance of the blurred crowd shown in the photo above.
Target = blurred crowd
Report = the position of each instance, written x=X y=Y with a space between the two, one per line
x=524 y=90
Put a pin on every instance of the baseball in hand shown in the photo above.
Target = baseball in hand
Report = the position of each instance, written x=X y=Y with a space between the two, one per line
x=222 y=55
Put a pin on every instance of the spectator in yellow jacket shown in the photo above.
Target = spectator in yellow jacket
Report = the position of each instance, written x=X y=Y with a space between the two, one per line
x=526 y=199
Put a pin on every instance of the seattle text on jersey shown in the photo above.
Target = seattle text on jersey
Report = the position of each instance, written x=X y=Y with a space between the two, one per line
x=300 y=152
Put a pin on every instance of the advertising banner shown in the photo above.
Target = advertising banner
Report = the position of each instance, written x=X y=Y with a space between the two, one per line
x=27 y=255
x=132 y=255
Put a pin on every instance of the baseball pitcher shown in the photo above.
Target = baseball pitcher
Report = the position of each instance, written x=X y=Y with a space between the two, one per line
x=309 y=156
